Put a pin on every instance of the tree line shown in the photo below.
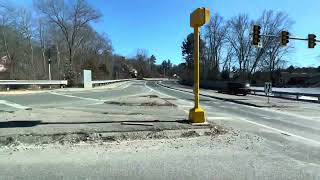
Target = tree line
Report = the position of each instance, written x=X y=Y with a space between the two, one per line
x=63 y=29
x=226 y=48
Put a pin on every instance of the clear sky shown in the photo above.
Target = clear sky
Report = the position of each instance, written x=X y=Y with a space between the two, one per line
x=160 y=26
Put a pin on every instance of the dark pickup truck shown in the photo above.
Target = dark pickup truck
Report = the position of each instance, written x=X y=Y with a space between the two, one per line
x=236 y=88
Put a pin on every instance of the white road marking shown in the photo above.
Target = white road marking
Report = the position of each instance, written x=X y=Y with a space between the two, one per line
x=126 y=85
x=176 y=89
x=78 y=97
x=269 y=118
x=266 y=109
x=92 y=104
x=188 y=102
x=18 y=106
x=290 y=114
x=275 y=111
x=268 y=127
x=131 y=95
x=219 y=118
x=255 y=123
x=281 y=131
x=191 y=106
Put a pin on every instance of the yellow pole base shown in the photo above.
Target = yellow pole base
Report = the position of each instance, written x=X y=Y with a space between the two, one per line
x=196 y=115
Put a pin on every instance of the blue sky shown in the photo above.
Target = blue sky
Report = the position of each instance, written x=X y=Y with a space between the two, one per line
x=160 y=26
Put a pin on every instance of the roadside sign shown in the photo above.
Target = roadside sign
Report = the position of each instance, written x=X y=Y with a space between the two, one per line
x=87 y=79
x=268 y=87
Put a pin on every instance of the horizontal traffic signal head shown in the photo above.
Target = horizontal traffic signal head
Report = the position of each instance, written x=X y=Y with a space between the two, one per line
x=311 y=40
x=284 y=38
x=199 y=17
x=256 y=35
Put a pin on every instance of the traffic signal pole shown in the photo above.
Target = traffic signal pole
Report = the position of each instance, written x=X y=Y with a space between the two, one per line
x=197 y=19
x=284 y=37
x=196 y=69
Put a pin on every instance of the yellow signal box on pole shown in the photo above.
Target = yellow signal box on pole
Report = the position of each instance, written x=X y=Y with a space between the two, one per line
x=198 y=18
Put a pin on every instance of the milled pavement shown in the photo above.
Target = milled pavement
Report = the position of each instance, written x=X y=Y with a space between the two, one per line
x=70 y=114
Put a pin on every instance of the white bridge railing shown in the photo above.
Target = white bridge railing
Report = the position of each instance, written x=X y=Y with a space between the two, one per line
x=104 y=82
x=89 y=83
x=33 y=82
x=8 y=83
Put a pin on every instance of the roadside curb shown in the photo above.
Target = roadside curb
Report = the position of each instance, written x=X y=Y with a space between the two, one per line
x=96 y=137
x=215 y=97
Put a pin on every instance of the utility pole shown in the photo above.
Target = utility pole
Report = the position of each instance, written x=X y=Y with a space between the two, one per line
x=197 y=19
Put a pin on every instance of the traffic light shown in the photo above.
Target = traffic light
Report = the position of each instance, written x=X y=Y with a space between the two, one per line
x=311 y=40
x=284 y=38
x=256 y=35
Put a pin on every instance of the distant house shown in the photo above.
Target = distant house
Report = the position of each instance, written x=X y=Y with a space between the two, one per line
x=134 y=72
x=4 y=63
x=300 y=79
x=314 y=81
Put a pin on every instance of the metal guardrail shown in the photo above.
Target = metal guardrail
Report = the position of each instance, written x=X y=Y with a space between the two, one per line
x=102 y=82
x=33 y=82
x=156 y=79
x=281 y=94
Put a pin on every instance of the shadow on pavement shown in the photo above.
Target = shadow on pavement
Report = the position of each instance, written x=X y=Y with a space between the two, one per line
x=21 y=124
x=14 y=124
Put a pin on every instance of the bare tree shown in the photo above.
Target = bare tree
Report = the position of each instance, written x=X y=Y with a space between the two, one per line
x=65 y=29
x=239 y=39
x=57 y=42
x=70 y=19
x=42 y=40
x=227 y=61
x=141 y=62
x=215 y=35
x=272 y=23
x=7 y=20
x=25 y=28
x=250 y=59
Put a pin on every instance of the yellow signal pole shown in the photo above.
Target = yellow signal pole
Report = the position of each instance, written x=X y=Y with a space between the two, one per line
x=196 y=68
x=197 y=19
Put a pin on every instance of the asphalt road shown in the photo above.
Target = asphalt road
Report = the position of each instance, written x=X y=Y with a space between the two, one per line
x=300 y=127
x=65 y=97
x=261 y=143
